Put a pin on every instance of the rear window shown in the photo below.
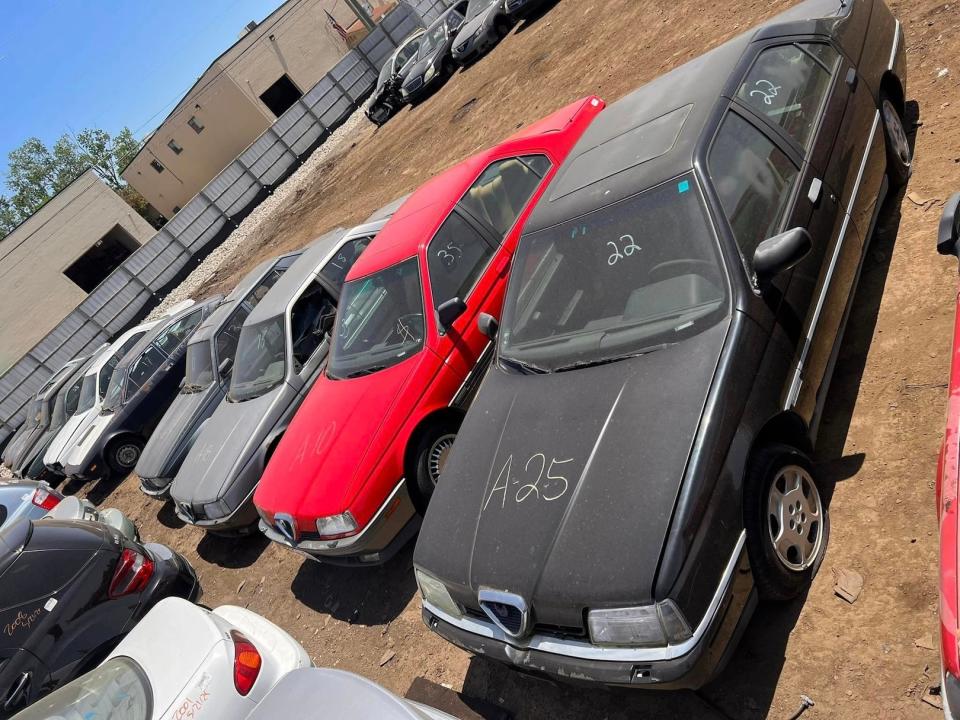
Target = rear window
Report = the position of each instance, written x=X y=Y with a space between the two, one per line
x=33 y=577
x=116 y=690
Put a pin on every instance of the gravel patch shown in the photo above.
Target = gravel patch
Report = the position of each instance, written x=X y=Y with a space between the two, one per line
x=236 y=244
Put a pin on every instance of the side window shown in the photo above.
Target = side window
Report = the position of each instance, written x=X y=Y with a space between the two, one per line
x=72 y=398
x=336 y=270
x=229 y=336
x=175 y=335
x=754 y=180
x=788 y=86
x=106 y=372
x=311 y=318
x=499 y=195
x=455 y=258
x=143 y=368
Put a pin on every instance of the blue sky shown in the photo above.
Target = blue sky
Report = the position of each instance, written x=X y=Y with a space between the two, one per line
x=70 y=64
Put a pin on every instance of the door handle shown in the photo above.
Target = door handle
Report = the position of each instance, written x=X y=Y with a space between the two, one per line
x=852 y=79
x=17 y=692
x=815 y=191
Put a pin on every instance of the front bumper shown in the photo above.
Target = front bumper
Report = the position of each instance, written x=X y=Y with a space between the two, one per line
x=392 y=527
x=477 y=46
x=156 y=487
x=688 y=665
x=521 y=8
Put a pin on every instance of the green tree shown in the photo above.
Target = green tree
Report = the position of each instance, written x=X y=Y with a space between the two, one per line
x=36 y=173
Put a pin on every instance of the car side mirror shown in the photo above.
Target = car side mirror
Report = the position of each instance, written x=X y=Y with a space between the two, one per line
x=449 y=311
x=488 y=325
x=949 y=233
x=225 y=366
x=780 y=253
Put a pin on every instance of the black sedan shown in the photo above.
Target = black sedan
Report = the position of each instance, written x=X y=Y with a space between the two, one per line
x=387 y=98
x=434 y=62
x=69 y=592
x=487 y=23
x=634 y=473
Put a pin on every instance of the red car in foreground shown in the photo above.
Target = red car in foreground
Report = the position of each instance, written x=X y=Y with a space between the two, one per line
x=948 y=478
x=360 y=459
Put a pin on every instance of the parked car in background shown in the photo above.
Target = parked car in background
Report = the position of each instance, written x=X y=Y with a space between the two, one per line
x=142 y=387
x=282 y=349
x=635 y=471
x=211 y=352
x=520 y=9
x=487 y=23
x=73 y=508
x=25 y=499
x=299 y=695
x=219 y=664
x=434 y=62
x=948 y=493
x=365 y=449
x=31 y=418
x=387 y=98
x=63 y=406
x=69 y=592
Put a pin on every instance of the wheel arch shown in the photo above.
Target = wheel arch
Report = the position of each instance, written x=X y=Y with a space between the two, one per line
x=446 y=415
x=786 y=427
x=892 y=87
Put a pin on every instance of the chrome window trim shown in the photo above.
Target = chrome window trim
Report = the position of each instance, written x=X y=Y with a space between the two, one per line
x=896 y=46
x=585 y=650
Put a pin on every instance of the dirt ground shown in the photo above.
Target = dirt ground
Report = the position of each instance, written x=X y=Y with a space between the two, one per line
x=879 y=443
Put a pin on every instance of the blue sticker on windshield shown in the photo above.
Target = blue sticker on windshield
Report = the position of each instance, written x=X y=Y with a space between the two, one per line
x=683 y=186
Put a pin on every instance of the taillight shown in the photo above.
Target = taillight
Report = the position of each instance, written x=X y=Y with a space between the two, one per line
x=45 y=499
x=246 y=663
x=132 y=574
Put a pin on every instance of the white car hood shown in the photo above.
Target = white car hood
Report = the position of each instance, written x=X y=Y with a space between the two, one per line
x=68 y=435
x=86 y=438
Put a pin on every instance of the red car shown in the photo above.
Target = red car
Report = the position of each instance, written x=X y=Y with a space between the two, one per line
x=360 y=459
x=948 y=478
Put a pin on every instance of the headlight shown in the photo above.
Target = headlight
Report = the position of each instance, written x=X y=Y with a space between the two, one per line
x=436 y=593
x=430 y=74
x=336 y=526
x=656 y=625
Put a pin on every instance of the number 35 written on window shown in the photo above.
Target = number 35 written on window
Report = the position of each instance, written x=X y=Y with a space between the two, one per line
x=541 y=480
x=626 y=247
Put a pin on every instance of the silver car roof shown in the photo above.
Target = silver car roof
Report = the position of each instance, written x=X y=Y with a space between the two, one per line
x=165 y=322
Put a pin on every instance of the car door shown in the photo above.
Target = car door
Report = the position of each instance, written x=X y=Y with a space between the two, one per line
x=467 y=258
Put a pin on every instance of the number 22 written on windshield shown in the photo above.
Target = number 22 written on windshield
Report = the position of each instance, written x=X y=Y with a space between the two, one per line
x=628 y=249
x=548 y=485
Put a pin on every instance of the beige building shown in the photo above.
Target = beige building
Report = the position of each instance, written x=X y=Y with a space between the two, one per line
x=239 y=96
x=53 y=259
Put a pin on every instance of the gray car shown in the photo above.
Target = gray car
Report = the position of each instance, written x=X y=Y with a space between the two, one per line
x=25 y=499
x=282 y=349
x=487 y=24
x=210 y=355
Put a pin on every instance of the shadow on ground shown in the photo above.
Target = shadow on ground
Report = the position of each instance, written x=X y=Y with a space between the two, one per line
x=362 y=596
x=232 y=552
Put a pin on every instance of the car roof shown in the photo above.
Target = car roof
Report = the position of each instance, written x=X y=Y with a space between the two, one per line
x=653 y=133
x=108 y=352
x=157 y=329
x=416 y=221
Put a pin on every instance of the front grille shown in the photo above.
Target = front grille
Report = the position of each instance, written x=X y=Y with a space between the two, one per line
x=509 y=616
x=415 y=85
x=514 y=4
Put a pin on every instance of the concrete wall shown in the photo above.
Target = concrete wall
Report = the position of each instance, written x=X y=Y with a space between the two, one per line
x=35 y=295
x=297 y=40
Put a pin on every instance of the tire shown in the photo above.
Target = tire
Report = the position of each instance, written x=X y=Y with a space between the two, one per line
x=122 y=455
x=782 y=570
x=503 y=28
x=430 y=456
x=899 y=154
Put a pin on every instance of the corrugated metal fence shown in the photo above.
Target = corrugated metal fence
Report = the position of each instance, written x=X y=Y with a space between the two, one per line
x=133 y=289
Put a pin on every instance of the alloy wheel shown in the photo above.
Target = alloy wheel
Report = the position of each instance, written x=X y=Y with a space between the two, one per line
x=795 y=518
x=437 y=457
x=896 y=133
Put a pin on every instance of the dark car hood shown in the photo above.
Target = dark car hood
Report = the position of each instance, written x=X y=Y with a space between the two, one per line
x=164 y=450
x=469 y=28
x=418 y=69
x=619 y=433
x=226 y=443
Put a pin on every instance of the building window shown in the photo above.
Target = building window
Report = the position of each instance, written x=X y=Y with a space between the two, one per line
x=195 y=124
x=155 y=164
x=281 y=95
x=173 y=146
x=101 y=259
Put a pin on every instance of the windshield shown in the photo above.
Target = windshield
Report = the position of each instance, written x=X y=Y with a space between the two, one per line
x=116 y=690
x=620 y=281
x=71 y=399
x=113 y=399
x=261 y=359
x=436 y=36
x=88 y=393
x=380 y=322
x=199 y=366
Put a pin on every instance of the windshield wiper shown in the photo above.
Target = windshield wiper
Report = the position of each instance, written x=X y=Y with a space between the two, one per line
x=617 y=358
x=524 y=367
x=366 y=371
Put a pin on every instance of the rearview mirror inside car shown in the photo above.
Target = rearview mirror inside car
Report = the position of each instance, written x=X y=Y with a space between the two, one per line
x=949 y=233
x=225 y=365
x=780 y=253
x=449 y=311
x=488 y=325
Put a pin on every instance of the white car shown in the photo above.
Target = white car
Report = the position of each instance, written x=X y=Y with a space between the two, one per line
x=180 y=662
x=92 y=391
x=315 y=693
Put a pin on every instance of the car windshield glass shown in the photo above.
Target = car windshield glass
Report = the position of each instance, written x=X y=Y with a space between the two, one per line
x=261 y=359
x=114 y=397
x=386 y=71
x=71 y=399
x=619 y=281
x=433 y=39
x=116 y=690
x=88 y=393
x=380 y=322
x=199 y=366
